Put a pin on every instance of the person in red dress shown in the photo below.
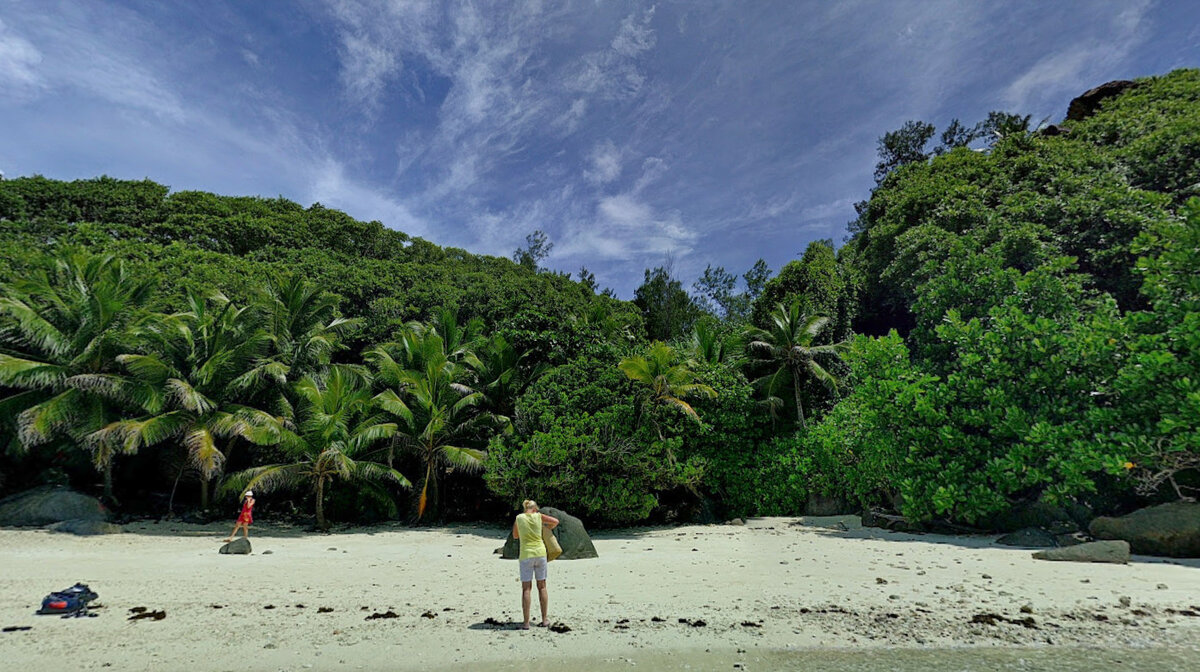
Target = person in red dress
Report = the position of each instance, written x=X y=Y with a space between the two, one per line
x=245 y=518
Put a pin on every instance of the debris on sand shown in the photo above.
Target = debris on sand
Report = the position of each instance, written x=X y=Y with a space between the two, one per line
x=156 y=615
x=17 y=628
x=387 y=614
x=324 y=610
x=997 y=619
x=428 y=614
x=559 y=627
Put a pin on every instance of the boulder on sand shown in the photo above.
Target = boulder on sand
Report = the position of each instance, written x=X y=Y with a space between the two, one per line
x=1116 y=552
x=239 y=546
x=1029 y=537
x=47 y=505
x=571 y=535
x=1171 y=530
x=85 y=528
x=1031 y=514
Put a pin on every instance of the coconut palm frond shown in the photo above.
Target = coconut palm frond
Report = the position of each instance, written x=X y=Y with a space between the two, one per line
x=391 y=402
x=266 y=479
x=38 y=423
x=373 y=472
x=469 y=459
x=683 y=406
x=34 y=329
x=813 y=326
x=366 y=436
x=28 y=373
x=188 y=397
x=817 y=371
x=203 y=452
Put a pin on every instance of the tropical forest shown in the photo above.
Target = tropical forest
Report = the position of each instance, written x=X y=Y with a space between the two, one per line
x=1011 y=324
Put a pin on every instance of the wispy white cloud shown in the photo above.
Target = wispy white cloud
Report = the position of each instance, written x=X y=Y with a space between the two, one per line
x=81 y=53
x=330 y=186
x=635 y=35
x=568 y=122
x=19 y=61
x=366 y=68
x=1084 y=61
x=627 y=227
x=605 y=163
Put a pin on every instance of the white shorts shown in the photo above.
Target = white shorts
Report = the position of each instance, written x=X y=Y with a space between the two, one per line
x=532 y=568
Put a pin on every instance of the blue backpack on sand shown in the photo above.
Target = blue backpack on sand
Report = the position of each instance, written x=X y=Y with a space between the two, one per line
x=70 y=602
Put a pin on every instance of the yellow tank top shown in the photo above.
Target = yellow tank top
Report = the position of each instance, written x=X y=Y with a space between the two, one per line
x=529 y=527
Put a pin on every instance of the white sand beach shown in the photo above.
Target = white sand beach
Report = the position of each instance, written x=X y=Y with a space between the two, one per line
x=667 y=597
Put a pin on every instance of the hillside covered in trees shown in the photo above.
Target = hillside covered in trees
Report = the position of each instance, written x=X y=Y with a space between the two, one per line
x=1014 y=318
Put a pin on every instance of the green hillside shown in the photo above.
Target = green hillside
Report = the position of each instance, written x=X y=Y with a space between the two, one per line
x=1015 y=318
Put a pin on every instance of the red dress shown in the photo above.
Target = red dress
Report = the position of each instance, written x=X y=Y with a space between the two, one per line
x=245 y=518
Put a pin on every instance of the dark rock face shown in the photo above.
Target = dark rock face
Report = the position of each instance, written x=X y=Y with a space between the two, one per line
x=571 y=535
x=1029 y=537
x=1116 y=552
x=47 y=505
x=1022 y=516
x=239 y=546
x=1089 y=103
x=85 y=528
x=889 y=522
x=819 y=505
x=1171 y=530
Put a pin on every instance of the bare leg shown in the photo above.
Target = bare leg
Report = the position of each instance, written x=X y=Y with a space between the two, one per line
x=246 y=532
x=526 y=600
x=544 y=598
x=233 y=533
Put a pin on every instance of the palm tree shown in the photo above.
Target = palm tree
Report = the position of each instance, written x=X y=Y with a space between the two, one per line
x=437 y=414
x=788 y=345
x=339 y=424
x=198 y=366
x=305 y=324
x=664 y=381
x=708 y=344
x=496 y=369
x=55 y=327
x=457 y=340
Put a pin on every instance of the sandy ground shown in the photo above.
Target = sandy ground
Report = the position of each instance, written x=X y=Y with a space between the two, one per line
x=733 y=593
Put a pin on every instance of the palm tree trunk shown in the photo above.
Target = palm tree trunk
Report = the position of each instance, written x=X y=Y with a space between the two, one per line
x=427 y=500
x=796 y=389
x=203 y=493
x=108 y=482
x=324 y=526
x=434 y=504
x=171 y=501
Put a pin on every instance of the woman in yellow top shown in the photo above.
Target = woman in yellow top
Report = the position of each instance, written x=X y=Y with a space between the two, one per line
x=528 y=528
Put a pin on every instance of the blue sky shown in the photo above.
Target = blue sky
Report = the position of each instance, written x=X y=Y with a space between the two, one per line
x=630 y=132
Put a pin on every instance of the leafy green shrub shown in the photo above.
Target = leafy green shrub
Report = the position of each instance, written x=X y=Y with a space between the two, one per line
x=581 y=445
x=1156 y=417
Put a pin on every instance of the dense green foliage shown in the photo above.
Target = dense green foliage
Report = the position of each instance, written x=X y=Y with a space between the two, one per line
x=1015 y=318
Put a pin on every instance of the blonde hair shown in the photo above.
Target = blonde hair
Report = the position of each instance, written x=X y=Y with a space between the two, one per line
x=530 y=504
